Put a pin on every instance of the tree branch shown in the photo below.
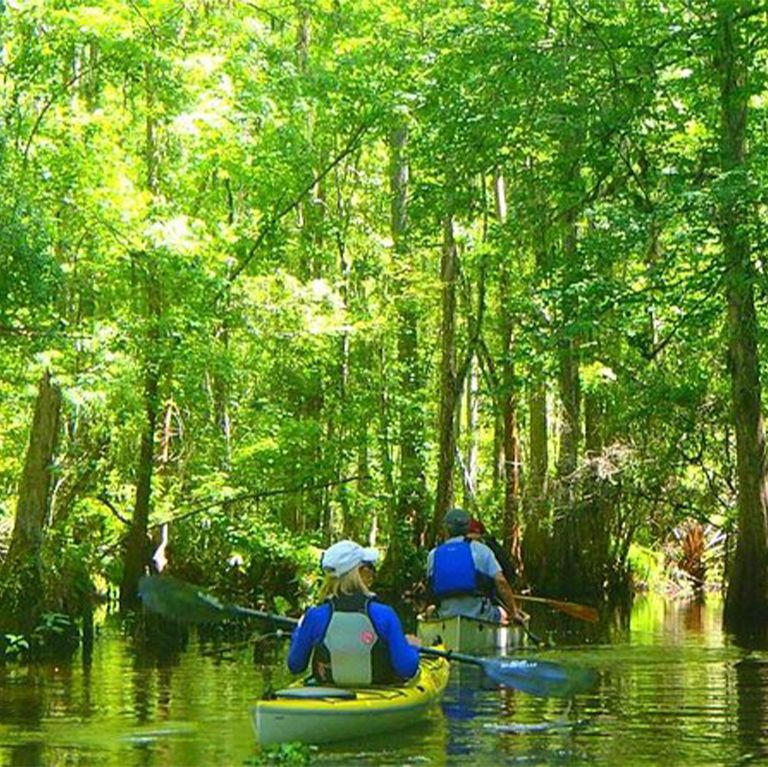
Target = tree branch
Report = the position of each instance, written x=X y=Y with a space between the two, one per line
x=113 y=509
x=281 y=212
x=52 y=100
x=258 y=496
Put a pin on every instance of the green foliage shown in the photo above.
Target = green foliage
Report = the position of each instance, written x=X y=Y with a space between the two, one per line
x=15 y=646
x=647 y=566
x=55 y=636
x=180 y=196
x=244 y=558
x=29 y=275
x=285 y=753
x=52 y=625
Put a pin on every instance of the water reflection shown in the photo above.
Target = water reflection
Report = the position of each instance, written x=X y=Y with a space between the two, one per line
x=673 y=690
x=21 y=705
x=752 y=703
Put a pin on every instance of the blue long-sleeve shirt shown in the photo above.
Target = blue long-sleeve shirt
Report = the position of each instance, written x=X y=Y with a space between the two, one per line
x=403 y=656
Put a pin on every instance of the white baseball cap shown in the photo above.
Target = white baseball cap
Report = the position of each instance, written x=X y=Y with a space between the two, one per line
x=345 y=556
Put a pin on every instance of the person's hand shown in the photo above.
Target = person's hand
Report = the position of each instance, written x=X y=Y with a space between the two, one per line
x=413 y=640
x=520 y=617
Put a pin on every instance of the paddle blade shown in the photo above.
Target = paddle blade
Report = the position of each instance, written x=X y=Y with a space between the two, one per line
x=181 y=601
x=540 y=677
x=536 y=677
x=575 y=610
x=580 y=612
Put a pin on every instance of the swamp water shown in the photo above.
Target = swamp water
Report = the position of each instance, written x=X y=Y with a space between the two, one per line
x=672 y=691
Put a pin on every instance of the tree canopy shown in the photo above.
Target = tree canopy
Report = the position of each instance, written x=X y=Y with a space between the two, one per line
x=320 y=268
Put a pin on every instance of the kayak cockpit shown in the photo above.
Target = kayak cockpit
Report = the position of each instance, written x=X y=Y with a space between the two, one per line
x=314 y=693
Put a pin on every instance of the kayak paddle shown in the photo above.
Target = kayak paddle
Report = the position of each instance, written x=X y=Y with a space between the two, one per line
x=535 y=638
x=581 y=612
x=182 y=601
x=544 y=678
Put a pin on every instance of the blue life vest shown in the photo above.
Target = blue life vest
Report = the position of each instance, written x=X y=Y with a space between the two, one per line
x=453 y=570
x=351 y=652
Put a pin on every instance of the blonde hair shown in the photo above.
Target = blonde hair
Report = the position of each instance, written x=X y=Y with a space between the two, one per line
x=349 y=583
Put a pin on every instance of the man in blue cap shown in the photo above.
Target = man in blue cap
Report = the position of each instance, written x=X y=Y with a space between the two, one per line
x=466 y=578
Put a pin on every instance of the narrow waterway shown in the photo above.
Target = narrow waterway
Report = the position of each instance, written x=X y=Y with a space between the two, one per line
x=672 y=691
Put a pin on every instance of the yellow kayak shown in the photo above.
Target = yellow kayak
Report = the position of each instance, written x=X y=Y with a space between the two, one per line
x=311 y=714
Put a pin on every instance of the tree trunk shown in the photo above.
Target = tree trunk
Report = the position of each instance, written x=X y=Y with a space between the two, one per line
x=472 y=399
x=302 y=57
x=138 y=548
x=384 y=440
x=343 y=366
x=448 y=393
x=569 y=543
x=21 y=587
x=406 y=519
x=509 y=399
x=593 y=424
x=220 y=386
x=138 y=551
x=747 y=594
x=568 y=378
x=411 y=497
x=539 y=442
x=535 y=537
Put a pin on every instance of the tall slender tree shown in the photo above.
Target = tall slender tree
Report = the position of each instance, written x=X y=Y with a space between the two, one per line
x=747 y=595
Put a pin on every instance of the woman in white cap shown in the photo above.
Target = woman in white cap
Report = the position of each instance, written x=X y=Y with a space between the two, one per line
x=353 y=639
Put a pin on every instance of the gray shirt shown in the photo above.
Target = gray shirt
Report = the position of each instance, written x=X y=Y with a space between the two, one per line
x=471 y=605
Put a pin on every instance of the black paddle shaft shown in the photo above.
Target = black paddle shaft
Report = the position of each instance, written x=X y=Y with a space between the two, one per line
x=182 y=601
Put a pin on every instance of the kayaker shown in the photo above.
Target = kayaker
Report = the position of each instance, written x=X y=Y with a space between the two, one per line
x=466 y=579
x=478 y=532
x=352 y=638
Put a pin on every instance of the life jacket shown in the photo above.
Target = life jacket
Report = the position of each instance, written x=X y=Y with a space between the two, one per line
x=454 y=573
x=351 y=653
